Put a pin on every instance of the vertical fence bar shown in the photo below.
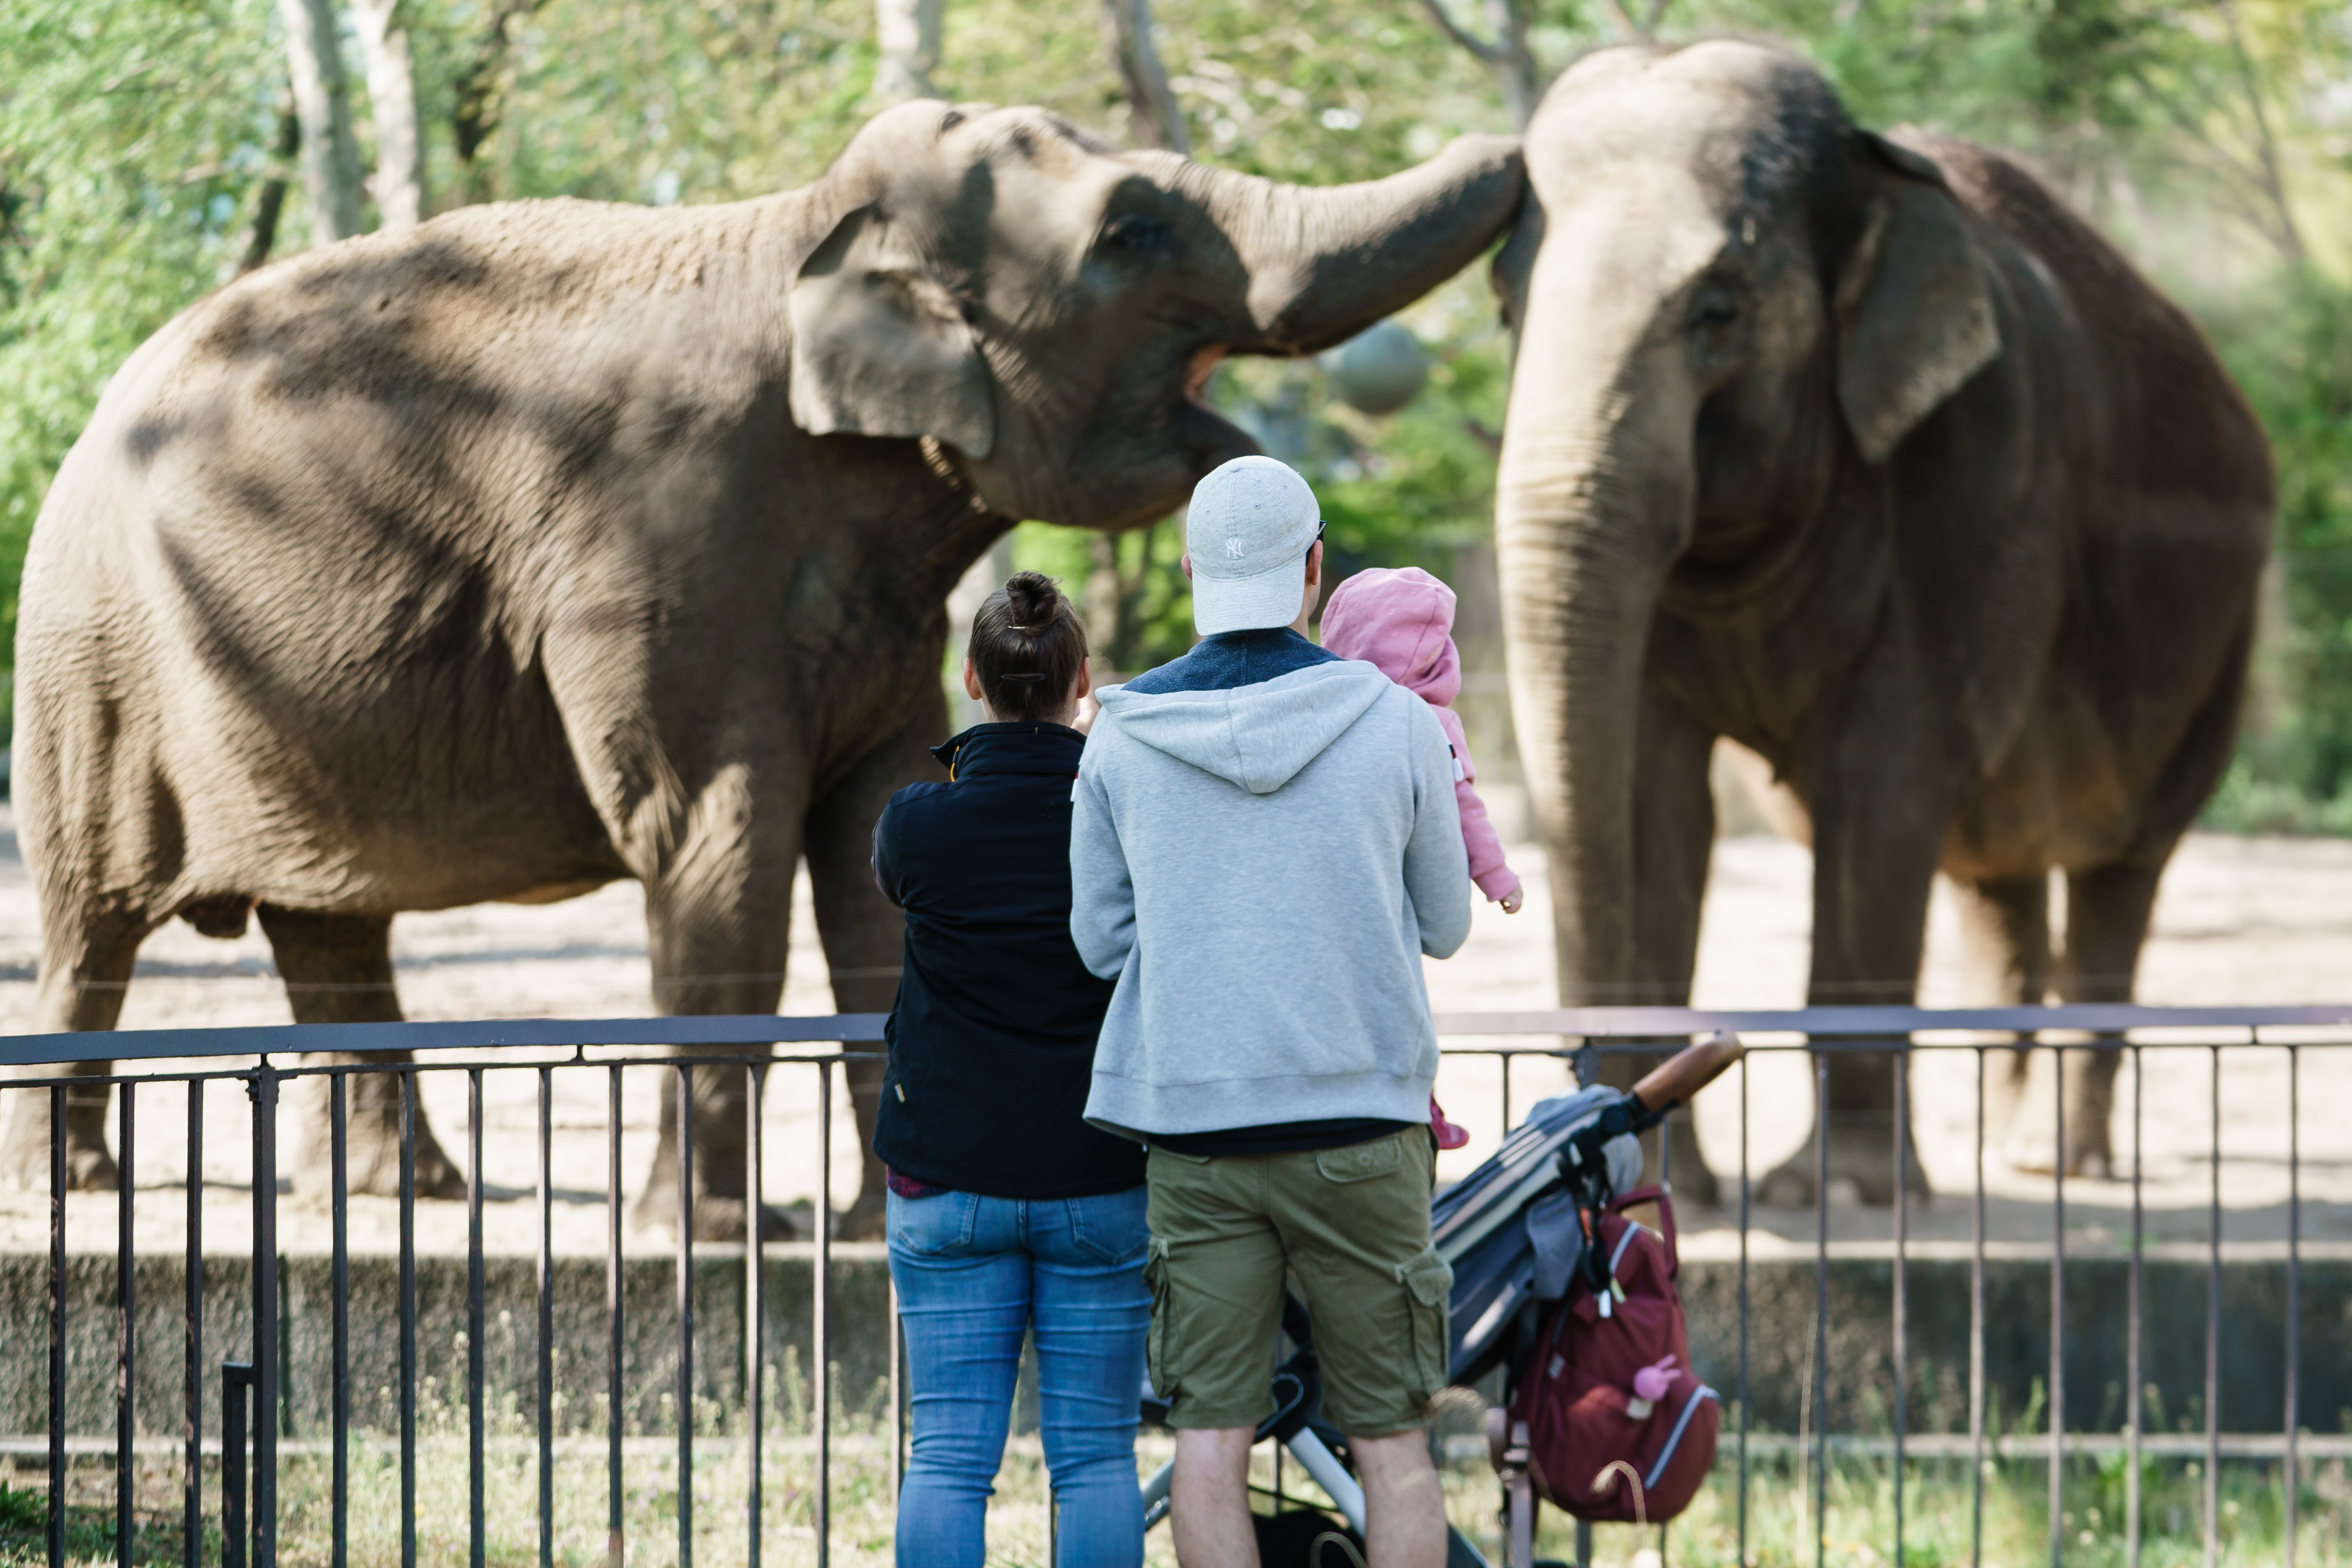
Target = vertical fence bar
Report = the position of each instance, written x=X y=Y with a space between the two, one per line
x=2058 y=1310
x=266 y=1389
x=1900 y=1304
x=820 y=1335
x=2213 y=1337
x=408 y=1319
x=476 y=1469
x=1820 y=1305
x=2292 y=1477
x=56 y=1325
x=237 y=1387
x=338 y=1182
x=1745 y=1191
x=1977 y=1337
x=755 y=1344
x=192 y=1504
x=2132 y=1418
x=546 y=1317
x=612 y=1388
x=1507 y=1059
x=685 y=1315
x=126 y=1478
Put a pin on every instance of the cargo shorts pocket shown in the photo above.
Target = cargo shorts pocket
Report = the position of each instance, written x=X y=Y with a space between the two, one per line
x=1360 y=1162
x=1427 y=1282
x=1161 y=1341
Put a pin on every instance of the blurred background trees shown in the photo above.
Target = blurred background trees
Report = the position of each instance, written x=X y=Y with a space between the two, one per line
x=149 y=149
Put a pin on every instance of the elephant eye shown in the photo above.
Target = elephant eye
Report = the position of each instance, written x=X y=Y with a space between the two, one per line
x=1713 y=310
x=1134 y=235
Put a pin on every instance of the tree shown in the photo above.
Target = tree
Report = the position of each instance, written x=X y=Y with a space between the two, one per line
x=908 y=34
x=1154 y=120
x=399 y=182
x=322 y=100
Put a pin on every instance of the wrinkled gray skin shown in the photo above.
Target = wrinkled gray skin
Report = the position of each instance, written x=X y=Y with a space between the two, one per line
x=552 y=543
x=1875 y=458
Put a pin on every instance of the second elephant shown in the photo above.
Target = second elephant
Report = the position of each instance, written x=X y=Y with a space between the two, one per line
x=1869 y=455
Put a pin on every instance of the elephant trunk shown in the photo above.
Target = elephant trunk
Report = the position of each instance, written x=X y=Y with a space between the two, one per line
x=1326 y=262
x=1593 y=504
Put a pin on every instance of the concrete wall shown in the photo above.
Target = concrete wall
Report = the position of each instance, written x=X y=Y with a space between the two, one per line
x=1780 y=1338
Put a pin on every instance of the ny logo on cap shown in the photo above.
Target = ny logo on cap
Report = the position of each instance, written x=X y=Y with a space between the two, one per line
x=1232 y=549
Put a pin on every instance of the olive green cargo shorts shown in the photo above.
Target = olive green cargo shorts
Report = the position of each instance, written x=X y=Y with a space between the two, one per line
x=1352 y=1225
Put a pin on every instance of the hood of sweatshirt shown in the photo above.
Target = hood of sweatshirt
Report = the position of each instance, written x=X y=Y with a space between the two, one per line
x=1400 y=621
x=1257 y=737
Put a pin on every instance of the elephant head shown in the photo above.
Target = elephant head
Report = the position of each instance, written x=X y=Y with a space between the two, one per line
x=1724 y=297
x=1044 y=309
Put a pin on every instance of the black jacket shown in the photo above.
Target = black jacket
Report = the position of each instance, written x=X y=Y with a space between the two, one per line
x=993 y=1039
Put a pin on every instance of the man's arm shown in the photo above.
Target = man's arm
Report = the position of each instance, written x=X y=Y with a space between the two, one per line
x=1436 y=865
x=1102 y=894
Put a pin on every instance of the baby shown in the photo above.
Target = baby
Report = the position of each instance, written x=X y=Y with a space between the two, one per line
x=1401 y=623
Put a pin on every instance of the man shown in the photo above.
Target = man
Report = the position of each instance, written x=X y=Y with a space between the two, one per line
x=1265 y=842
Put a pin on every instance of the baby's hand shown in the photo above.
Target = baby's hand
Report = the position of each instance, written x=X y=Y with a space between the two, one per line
x=1513 y=899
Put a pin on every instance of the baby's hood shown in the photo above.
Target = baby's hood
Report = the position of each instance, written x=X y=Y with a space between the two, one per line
x=1257 y=737
x=1401 y=619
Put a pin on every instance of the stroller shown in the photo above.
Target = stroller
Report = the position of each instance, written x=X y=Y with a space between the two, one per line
x=1511 y=1232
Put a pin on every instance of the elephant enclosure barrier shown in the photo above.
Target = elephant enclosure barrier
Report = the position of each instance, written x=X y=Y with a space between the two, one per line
x=1928 y=1362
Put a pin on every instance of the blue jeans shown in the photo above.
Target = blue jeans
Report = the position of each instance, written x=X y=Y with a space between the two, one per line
x=973 y=1274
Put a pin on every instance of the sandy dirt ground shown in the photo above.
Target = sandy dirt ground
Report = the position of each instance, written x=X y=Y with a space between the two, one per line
x=2240 y=921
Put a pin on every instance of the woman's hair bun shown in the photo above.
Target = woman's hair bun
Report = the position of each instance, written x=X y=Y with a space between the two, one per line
x=1027 y=647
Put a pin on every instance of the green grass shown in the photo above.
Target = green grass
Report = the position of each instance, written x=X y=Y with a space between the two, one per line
x=1857 y=1528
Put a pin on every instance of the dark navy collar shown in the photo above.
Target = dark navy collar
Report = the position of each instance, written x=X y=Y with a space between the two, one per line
x=1023 y=747
x=1232 y=659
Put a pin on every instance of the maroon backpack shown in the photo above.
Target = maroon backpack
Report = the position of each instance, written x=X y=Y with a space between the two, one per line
x=1617 y=1428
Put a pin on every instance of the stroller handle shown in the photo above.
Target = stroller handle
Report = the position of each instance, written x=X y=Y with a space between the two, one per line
x=1686 y=1073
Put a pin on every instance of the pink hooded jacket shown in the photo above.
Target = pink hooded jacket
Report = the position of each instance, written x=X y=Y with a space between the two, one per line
x=1400 y=620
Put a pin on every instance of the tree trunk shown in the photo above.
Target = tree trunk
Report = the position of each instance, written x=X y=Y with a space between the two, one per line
x=271 y=202
x=1153 y=118
x=909 y=34
x=480 y=93
x=330 y=161
x=392 y=101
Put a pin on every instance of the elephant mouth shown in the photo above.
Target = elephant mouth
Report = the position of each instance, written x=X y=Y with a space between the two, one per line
x=1203 y=364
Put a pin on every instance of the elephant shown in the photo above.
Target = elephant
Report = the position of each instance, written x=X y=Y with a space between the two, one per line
x=1868 y=454
x=552 y=542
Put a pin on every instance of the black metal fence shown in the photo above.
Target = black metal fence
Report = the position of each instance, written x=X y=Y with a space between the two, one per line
x=240 y=1523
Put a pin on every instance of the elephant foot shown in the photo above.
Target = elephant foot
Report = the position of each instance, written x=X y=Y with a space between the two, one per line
x=1692 y=1181
x=865 y=1220
x=371 y=1158
x=25 y=1147
x=715 y=1218
x=2088 y=1154
x=1861 y=1152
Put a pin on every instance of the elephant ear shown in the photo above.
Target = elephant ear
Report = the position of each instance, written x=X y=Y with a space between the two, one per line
x=1914 y=311
x=881 y=346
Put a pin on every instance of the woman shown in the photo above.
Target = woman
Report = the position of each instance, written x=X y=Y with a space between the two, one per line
x=1007 y=1213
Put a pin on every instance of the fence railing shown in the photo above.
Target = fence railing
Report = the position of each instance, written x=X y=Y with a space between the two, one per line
x=251 y=1393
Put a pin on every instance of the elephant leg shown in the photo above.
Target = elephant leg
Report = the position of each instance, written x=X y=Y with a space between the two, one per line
x=2108 y=911
x=86 y=964
x=718 y=919
x=338 y=970
x=1880 y=811
x=2005 y=962
x=863 y=933
x=1674 y=833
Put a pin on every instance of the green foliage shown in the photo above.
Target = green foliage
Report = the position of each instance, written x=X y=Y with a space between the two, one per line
x=133 y=143
x=136 y=137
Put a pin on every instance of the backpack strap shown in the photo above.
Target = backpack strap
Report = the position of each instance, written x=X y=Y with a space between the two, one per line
x=1664 y=1200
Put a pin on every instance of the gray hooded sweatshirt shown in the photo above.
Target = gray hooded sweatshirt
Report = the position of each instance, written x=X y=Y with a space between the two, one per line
x=1260 y=869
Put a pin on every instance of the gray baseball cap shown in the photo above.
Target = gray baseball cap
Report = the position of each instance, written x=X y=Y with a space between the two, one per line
x=1250 y=527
